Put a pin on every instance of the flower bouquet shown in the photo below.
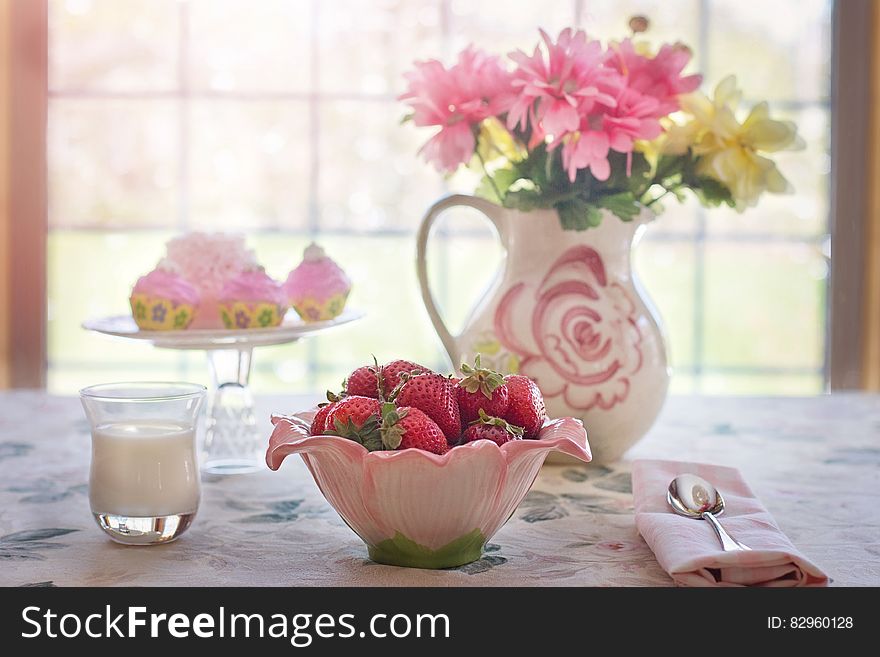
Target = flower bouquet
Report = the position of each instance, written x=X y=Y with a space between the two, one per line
x=580 y=126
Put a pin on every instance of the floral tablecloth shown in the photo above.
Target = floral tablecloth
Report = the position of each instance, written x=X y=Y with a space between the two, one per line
x=815 y=463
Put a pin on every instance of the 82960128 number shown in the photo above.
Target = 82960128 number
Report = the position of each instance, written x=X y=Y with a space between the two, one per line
x=819 y=623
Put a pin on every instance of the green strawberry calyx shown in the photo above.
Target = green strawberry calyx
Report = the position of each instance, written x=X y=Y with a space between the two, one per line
x=480 y=379
x=488 y=420
x=366 y=434
x=390 y=430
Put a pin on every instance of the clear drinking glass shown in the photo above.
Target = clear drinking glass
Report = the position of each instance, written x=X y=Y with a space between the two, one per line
x=144 y=479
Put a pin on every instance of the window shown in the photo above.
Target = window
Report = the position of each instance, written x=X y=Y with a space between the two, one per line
x=278 y=118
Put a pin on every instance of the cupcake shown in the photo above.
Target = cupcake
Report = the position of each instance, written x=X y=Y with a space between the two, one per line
x=252 y=299
x=209 y=261
x=163 y=300
x=318 y=288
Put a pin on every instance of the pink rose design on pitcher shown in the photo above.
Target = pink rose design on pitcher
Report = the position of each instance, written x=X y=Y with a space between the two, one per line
x=583 y=338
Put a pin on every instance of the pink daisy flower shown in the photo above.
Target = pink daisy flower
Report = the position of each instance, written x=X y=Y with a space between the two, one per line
x=659 y=76
x=586 y=149
x=556 y=91
x=456 y=99
x=634 y=117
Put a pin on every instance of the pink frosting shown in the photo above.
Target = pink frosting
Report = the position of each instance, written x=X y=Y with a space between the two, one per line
x=253 y=286
x=167 y=285
x=317 y=277
x=209 y=260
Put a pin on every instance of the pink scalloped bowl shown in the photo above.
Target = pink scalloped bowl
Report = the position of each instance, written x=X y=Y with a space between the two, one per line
x=417 y=509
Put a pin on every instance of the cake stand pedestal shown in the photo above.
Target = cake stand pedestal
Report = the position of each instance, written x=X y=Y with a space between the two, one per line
x=233 y=443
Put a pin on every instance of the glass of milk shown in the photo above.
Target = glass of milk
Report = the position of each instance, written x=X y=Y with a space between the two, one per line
x=144 y=479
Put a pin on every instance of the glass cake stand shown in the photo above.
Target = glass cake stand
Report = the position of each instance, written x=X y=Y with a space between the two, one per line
x=233 y=443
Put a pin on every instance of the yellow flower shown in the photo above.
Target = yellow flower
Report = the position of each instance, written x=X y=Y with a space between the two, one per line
x=675 y=139
x=732 y=152
x=494 y=141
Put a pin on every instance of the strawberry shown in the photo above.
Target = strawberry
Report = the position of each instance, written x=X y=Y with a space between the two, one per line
x=356 y=418
x=526 y=406
x=435 y=396
x=407 y=427
x=481 y=389
x=392 y=371
x=364 y=381
x=491 y=428
x=319 y=422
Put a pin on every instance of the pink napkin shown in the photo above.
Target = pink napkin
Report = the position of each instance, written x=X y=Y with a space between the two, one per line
x=688 y=549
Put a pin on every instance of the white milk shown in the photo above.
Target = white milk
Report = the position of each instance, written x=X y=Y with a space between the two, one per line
x=143 y=469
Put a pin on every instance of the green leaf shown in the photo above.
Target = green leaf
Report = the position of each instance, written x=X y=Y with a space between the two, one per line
x=524 y=200
x=373 y=442
x=712 y=193
x=485 y=189
x=504 y=178
x=639 y=172
x=489 y=420
x=622 y=205
x=577 y=214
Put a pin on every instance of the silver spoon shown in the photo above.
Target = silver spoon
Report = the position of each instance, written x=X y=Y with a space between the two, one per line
x=694 y=497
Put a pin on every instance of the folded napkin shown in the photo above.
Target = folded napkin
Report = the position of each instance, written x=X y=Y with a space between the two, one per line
x=688 y=549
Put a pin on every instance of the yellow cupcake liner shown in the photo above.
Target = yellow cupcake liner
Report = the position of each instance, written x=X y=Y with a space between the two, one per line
x=312 y=310
x=241 y=315
x=158 y=314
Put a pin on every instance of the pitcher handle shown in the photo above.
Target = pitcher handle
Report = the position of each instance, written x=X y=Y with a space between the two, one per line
x=493 y=212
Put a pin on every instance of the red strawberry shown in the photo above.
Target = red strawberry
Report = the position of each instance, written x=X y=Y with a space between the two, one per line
x=364 y=381
x=319 y=422
x=392 y=371
x=356 y=418
x=435 y=396
x=491 y=428
x=526 y=406
x=481 y=388
x=407 y=427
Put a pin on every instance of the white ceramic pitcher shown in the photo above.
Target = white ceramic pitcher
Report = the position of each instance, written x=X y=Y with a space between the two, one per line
x=566 y=310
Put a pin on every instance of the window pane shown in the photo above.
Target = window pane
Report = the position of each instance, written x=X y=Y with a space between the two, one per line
x=778 y=50
x=666 y=271
x=500 y=26
x=682 y=383
x=112 y=163
x=370 y=176
x=249 y=165
x=765 y=305
x=111 y=45
x=675 y=218
x=364 y=46
x=237 y=46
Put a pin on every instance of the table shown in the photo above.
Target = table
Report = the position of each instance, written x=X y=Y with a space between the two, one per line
x=814 y=462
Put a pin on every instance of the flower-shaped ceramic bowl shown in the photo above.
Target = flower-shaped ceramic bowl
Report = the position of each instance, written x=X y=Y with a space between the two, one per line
x=417 y=509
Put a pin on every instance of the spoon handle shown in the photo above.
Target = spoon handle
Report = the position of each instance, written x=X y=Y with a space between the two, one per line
x=728 y=543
